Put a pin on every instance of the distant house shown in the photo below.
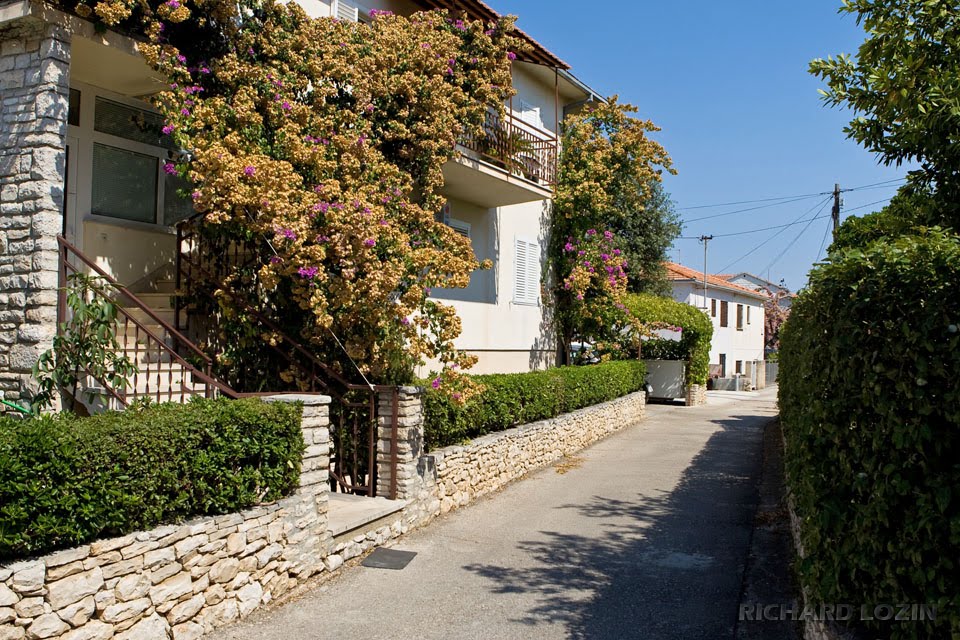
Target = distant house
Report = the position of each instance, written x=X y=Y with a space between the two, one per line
x=737 y=314
x=745 y=279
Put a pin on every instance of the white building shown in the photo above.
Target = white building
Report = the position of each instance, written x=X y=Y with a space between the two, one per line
x=745 y=279
x=737 y=314
x=73 y=165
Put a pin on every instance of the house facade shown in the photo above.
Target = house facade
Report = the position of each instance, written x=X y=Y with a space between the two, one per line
x=737 y=314
x=745 y=279
x=78 y=162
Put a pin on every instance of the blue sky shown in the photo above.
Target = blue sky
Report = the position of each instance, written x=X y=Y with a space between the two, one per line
x=741 y=117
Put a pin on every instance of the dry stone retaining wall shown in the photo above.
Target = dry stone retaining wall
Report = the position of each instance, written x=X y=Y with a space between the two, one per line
x=178 y=581
x=442 y=480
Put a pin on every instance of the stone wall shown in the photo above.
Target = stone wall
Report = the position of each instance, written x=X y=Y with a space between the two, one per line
x=454 y=476
x=696 y=395
x=34 y=94
x=179 y=581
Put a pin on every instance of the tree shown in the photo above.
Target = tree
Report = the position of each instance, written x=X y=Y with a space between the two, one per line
x=774 y=315
x=903 y=87
x=648 y=225
x=325 y=141
x=608 y=169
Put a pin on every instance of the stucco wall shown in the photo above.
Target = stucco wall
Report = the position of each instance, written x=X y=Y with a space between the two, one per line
x=126 y=253
x=743 y=345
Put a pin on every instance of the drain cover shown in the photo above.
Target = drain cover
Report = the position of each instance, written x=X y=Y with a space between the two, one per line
x=388 y=559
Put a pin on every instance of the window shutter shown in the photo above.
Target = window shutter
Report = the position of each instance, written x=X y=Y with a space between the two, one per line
x=723 y=313
x=347 y=10
x=713 y=307
x=526 y=280
x=530 y=114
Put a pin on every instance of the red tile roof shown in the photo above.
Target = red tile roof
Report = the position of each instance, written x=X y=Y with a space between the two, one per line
x=679 y=272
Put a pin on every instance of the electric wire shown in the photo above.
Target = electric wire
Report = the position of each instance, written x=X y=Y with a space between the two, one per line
x=779 y=226
x=823 y=241
x=792 y=242
x=821 y=204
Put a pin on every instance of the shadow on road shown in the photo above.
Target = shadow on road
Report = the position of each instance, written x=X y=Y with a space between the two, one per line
x=665 y=565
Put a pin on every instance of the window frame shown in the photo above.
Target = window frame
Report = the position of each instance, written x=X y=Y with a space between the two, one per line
x=740 y=317
x=724 y=313
x=713 y=307
x=531 y=272
x=87 y=137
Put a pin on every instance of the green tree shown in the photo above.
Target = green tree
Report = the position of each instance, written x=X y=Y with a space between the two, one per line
x=647 y=225
x=608 y=170
x=904 y=89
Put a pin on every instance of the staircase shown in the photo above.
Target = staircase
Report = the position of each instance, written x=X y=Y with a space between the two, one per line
x=169 y=368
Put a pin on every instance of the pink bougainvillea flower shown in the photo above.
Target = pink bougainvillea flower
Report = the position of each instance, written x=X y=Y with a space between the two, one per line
x=169 y=168
x=308 y=273
x=436 y=383
x=511 y=55
x=249 y=170
x=370 y=242
x=167 y=129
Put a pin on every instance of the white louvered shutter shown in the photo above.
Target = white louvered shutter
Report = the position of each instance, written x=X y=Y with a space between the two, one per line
x=347 y=10
x=526 y=288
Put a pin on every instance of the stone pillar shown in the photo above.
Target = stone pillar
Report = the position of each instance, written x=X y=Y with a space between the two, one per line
x=696 y=395
x=409 y=439
x=34 y=99
x=310 y=539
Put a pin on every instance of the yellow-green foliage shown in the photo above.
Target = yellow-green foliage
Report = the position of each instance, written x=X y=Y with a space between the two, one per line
x=697 y=329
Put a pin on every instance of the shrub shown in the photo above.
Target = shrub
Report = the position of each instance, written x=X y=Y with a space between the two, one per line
x=512 y=399
x=871 y=412
x=696 y=335
x=67 y=480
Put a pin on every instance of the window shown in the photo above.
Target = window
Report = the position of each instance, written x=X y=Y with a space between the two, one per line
x=713 y=308
x=350 y=11
x=123 y=145
x=724 y=320
x=748 y=314
x=530 y=114
x=526 y=272
x=461 y=227
x=723 y=365
x=739 y=366
x=739 y=317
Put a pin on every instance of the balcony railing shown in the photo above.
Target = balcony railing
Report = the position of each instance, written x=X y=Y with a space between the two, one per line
x=517 y=147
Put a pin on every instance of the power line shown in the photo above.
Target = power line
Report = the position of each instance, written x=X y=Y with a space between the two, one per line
x=764 y=206
x=780 y=200
x=792 y=242
x=779 y=226
x=823 y=241
x=822 y=204
x=869 y=204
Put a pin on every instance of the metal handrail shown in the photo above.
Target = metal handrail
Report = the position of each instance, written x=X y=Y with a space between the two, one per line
x=205 y=377
x=523 y=147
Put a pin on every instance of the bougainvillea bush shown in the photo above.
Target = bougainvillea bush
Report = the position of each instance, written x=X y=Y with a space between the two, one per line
x=606 y=151
x=325 y=140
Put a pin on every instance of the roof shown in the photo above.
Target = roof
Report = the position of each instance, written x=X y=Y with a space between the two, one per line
x=678 y=272
x=479 y=10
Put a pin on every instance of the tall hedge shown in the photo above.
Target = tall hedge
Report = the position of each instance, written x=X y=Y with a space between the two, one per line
x=67 y=480
x=697 y=329
x=870 y=403
x=512 y=399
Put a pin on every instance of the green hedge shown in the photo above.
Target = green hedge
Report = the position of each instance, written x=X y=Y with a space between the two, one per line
x=696 y=335
x=509 y=400
x=67 y=480
x=870 y=403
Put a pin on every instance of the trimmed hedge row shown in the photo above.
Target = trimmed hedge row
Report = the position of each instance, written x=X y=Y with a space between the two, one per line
x=870 y=403
x=67 y=480
x=509 y=400
x=696 y=335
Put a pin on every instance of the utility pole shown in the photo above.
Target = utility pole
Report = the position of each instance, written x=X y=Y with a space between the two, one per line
x=836 y=209
x=705 y=240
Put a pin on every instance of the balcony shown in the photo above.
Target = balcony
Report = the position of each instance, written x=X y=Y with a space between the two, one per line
x=510 y=162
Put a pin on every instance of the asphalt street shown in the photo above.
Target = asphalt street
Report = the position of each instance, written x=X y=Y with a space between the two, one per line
x=644 y=535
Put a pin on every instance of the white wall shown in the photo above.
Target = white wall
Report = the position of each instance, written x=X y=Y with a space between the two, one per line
x=506 y=336
x=740 y=345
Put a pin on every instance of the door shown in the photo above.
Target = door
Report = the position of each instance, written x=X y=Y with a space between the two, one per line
x=71 y=223
x=723 y=365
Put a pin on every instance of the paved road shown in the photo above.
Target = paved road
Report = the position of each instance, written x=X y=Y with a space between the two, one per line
x=644 y=535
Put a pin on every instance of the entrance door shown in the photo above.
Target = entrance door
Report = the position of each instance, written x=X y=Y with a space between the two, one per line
x=723 y=365
x=71 y=222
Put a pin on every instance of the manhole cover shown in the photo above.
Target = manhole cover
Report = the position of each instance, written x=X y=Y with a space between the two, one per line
x=388 y=559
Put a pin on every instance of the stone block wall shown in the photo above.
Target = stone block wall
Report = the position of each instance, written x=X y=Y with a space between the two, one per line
x=696 y=395
x=34 y=97
x=454 y=476
x=179 y=581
